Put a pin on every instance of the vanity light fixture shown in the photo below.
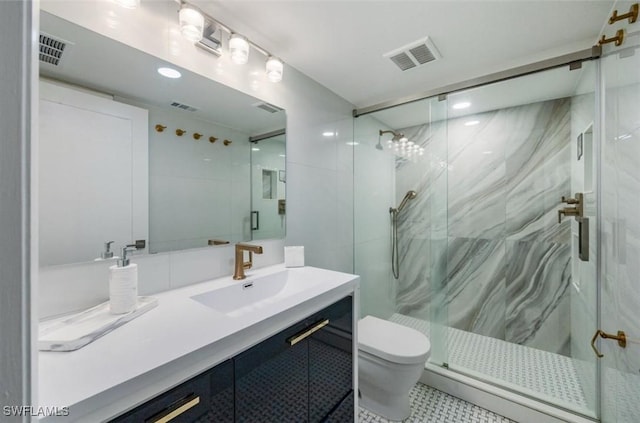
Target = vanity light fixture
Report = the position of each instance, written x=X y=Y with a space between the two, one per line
x=191 y=23
x=239 y=49
x=169 y=73
x=274 y=68
x=328 y=134
x=128 y=4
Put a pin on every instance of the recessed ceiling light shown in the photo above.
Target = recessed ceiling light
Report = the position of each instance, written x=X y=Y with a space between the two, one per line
x=169 y=73
x=282 y=155
x=353 y=143
x=328 y=134
x=471 y=122
x=461 y=105
x=255 y=149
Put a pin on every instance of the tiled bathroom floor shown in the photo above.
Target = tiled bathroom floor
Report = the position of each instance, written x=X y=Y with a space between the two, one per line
x=428 y=405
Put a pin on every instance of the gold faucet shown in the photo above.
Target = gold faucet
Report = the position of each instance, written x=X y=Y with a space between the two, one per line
x=241 y=265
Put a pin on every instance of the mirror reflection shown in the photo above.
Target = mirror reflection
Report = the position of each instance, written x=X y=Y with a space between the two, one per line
x=127 y=154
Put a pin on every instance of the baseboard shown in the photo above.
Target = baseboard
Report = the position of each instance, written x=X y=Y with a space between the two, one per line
x=506 y=403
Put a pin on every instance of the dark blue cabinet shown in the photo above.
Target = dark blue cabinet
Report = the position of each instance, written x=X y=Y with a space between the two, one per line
x=302 y=374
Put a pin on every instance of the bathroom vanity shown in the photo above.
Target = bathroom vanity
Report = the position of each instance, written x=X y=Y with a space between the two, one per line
x=277 y=346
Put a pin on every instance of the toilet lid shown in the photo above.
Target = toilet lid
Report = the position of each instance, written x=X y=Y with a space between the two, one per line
x=392 y=342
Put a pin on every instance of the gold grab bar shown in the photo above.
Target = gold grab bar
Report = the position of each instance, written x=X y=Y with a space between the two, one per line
x=307 y=332
x=170 y=414
x=621 y=337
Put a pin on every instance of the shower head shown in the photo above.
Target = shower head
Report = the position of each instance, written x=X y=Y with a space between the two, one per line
x=410 y=195
x=397 y=136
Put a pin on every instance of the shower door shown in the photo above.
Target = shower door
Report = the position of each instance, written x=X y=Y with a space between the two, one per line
x=521 y=287
x=620 y=273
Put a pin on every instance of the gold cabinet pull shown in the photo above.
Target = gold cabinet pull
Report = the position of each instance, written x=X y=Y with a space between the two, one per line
x=171 y=413
x=307 y=332
x=621 y=337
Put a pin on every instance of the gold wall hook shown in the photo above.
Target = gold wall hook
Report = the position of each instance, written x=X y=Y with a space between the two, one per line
x=196 y=136
x=212 y=139
x=632 y=15
x=226 y=142
x=160 y=128
x=618 y=39
x=180 y=132
x=621 y=337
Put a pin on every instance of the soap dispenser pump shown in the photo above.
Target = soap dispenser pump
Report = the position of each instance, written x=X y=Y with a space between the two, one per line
x=123 y=284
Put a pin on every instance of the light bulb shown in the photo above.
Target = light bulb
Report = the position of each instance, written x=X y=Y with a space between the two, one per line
x=191 y=24
x=274 y=68
x=239 y=49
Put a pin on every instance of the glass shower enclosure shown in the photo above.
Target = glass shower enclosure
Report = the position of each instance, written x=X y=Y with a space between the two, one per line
x=498 y=250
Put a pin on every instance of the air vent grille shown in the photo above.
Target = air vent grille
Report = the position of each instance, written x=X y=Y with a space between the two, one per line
x=422 y=54
x=403 y=61
x=51 y=49
x=268 y=107
x=414 y=54
x=183 y=106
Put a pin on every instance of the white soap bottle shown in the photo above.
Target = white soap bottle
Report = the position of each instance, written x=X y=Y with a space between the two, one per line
x=123 y=284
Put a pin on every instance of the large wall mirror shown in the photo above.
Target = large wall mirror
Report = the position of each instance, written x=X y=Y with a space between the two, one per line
x=127 y=154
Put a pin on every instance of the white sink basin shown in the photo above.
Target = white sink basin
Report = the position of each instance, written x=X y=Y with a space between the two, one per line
x=252 y=294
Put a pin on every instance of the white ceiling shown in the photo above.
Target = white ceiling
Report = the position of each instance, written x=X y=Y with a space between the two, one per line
x=340 y=43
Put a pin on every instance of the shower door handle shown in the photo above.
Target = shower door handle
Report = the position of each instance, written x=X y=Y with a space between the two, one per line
x=621 y=337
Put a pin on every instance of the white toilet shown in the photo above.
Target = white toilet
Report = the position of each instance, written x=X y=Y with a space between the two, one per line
x=391 y=360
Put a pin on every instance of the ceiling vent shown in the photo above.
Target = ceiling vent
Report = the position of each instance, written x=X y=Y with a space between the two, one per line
x=267 y=107
x=414 y=54
x=183 y=106
x=52 y=49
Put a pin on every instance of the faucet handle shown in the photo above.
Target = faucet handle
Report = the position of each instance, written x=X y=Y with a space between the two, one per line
x=569 y=200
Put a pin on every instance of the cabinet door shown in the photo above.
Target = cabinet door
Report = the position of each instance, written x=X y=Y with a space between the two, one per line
x=272 y=380
x=331 y=363
x=183 y=404
x=221 y=399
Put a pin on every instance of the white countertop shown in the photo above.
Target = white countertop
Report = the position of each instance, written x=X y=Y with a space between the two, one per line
x=172 y=343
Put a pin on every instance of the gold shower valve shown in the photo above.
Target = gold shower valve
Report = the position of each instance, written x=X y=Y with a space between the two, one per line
x=226 y=142
x=212 y=139
x=196 y=136
x=160 y=128
x=180 y=132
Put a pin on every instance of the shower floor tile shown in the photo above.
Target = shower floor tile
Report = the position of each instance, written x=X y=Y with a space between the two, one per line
x=552 y=377
x=428 y=405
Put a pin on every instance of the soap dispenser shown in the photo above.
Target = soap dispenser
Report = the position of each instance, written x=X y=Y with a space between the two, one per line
x=123 y=284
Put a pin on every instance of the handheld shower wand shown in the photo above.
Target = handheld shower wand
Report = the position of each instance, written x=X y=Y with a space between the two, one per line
x=393 y=212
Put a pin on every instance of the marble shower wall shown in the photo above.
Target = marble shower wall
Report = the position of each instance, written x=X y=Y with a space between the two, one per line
x=506 y=260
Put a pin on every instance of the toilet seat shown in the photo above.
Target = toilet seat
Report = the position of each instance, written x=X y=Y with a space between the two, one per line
x=392 y=342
